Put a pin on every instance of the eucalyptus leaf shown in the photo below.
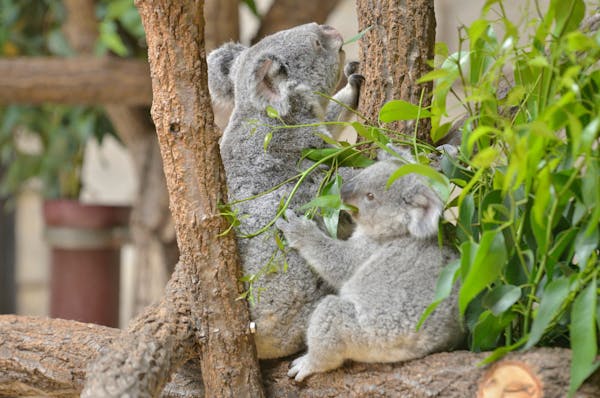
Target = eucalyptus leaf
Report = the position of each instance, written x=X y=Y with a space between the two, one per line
x=554 y=295
x=584 y=343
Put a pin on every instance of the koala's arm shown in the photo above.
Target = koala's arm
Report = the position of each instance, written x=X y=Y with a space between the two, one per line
x=334 y=260
x=347 y=96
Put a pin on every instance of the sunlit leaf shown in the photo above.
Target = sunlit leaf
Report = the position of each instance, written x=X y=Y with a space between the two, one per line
x=401 y=110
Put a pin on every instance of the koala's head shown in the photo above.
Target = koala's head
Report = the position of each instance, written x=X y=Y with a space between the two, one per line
x=310 y=55
x=408 y=206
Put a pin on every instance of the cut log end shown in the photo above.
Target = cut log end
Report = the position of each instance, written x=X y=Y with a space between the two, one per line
x=510 y=379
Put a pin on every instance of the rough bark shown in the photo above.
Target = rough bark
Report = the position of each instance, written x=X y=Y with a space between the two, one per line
x=151 y=225
x=394 y=54
x=285 y=14
x=49 y=357
x=200 y=313
x=77 y=80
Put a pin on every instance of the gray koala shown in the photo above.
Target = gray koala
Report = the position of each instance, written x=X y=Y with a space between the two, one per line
x=384 y=274
x=286 y=71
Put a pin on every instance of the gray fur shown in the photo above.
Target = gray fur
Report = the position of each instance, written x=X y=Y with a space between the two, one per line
x=385 y=275
x=285 y=71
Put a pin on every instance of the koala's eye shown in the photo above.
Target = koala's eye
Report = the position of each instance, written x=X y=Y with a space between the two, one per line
x=370 y=196
x=317 y=43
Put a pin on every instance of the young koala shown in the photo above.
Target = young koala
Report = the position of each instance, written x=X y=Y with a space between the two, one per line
x=384 y=274
x=285 y=71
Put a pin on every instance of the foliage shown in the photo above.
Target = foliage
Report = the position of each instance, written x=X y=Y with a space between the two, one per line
x=48 y=141
x=529 y=171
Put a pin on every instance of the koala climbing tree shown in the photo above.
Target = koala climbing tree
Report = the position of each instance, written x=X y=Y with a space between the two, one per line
x=384 y=275
x=286 y=72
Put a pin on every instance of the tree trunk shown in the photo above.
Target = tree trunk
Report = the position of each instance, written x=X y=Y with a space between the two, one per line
x=394 y=55
x=222 y=22
x=285 y=14
x=49 y=357
x=200 y=313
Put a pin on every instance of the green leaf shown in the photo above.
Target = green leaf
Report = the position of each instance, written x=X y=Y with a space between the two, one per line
x=569 y=14
x=439 y=182
x=272 y=112
x=267 y=140
x=443 y=288
x=358 y=36
x=585 y=243
x=555 y=293
x=345 y=157
x=396 y=110
x=488 y=329
x=327 y=201
x=584 y=344
x=252 y=6
x=501 y=351
x=490 y=258
x=501 y=298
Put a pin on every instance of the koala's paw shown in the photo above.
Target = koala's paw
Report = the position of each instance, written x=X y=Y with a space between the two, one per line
x=301 y=368
x=351 y=68
x=295 y=228
x=356 y=81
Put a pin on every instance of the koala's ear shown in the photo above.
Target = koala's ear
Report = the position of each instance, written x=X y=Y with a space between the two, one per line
x=426 y=209
x=220 y=64
x=270 y=76
x=397 y=153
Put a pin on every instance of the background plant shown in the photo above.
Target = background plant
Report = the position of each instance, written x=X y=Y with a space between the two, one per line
x=48 y=141
x=529 y=172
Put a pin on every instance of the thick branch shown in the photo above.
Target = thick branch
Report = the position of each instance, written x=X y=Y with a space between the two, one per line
x=78 y=80
x=50 y=356
x=285 y=14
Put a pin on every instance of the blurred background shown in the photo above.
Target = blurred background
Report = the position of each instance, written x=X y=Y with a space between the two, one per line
x=98 y=148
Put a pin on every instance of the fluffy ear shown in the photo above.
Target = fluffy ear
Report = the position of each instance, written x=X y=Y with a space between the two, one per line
x=426 y=209
x=269 y=86
x=401 y=154
x=220 y=63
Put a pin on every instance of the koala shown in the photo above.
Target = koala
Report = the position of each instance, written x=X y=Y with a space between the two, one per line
x=384 y=274
x=285 y=71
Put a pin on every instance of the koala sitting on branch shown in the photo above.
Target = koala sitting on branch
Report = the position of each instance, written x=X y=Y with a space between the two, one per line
x=385 y=275
x=285 y=71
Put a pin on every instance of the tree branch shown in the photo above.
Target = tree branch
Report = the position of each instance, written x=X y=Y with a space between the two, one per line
x=285 y=14
x=77 y=80
x=49 y=357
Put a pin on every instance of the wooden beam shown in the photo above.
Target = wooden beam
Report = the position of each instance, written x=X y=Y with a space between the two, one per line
x=76 y=80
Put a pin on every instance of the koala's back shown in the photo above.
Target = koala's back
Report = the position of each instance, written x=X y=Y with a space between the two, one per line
x=282 y=71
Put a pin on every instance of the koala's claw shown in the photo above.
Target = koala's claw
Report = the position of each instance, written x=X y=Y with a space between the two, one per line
x=300 y=368
x=356 y=80
x=351 y=68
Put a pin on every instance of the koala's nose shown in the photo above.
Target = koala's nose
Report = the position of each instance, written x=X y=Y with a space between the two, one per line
x=332 y=32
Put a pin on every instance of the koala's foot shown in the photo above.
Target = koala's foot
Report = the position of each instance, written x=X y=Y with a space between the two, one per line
x=301 y=368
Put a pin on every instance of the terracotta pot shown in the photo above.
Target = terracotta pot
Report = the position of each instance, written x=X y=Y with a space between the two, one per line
x=85 y=260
